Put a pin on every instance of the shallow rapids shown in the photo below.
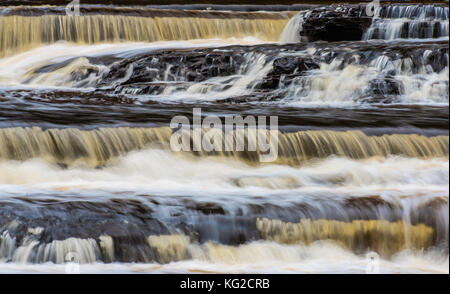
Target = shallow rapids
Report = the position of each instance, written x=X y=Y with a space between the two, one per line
x=153 y=169
x=94 y=29
x=89 y=172
x=95 y=148
x=269 y=258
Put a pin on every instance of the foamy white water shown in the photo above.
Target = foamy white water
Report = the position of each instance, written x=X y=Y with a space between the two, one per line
x=16 y=69
x=124 y=206
x=327 y=85
x=260 y=257
x=161 y=170
x=291 y=31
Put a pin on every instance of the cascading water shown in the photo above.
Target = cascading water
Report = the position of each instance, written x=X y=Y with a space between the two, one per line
x=87 y=165
x=409 y=22
x=25 y=32
x=291 y=30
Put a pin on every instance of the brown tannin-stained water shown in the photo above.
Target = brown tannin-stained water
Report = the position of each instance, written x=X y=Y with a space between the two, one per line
x=88 y=166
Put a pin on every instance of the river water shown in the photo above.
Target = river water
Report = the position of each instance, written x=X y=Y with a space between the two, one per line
x=87 y=169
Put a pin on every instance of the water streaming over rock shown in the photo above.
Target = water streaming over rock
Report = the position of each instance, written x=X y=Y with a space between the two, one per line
x=97 y=147
x=384 y=237
x=89 y=174
x=21 y=33
x=409 y=22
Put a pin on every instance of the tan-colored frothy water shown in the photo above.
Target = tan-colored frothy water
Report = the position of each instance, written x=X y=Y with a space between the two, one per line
x=360 y=236
x=381 y=236
x=96 y=147
x=20 y=33
x=356 y=145
x=72 y=146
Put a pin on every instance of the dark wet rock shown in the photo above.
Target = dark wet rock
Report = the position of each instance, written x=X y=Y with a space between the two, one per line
x=383 y=90
x=85 y=220
x=129 y=222
x=209 y=208
x=335 y=23
x=151 y=73
x=436 y=59
x=155 y=71
x=230 y=230
x=172 y=66
x=291 y=64
x=437 y=207
x=286 y=68
x=133 y=248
